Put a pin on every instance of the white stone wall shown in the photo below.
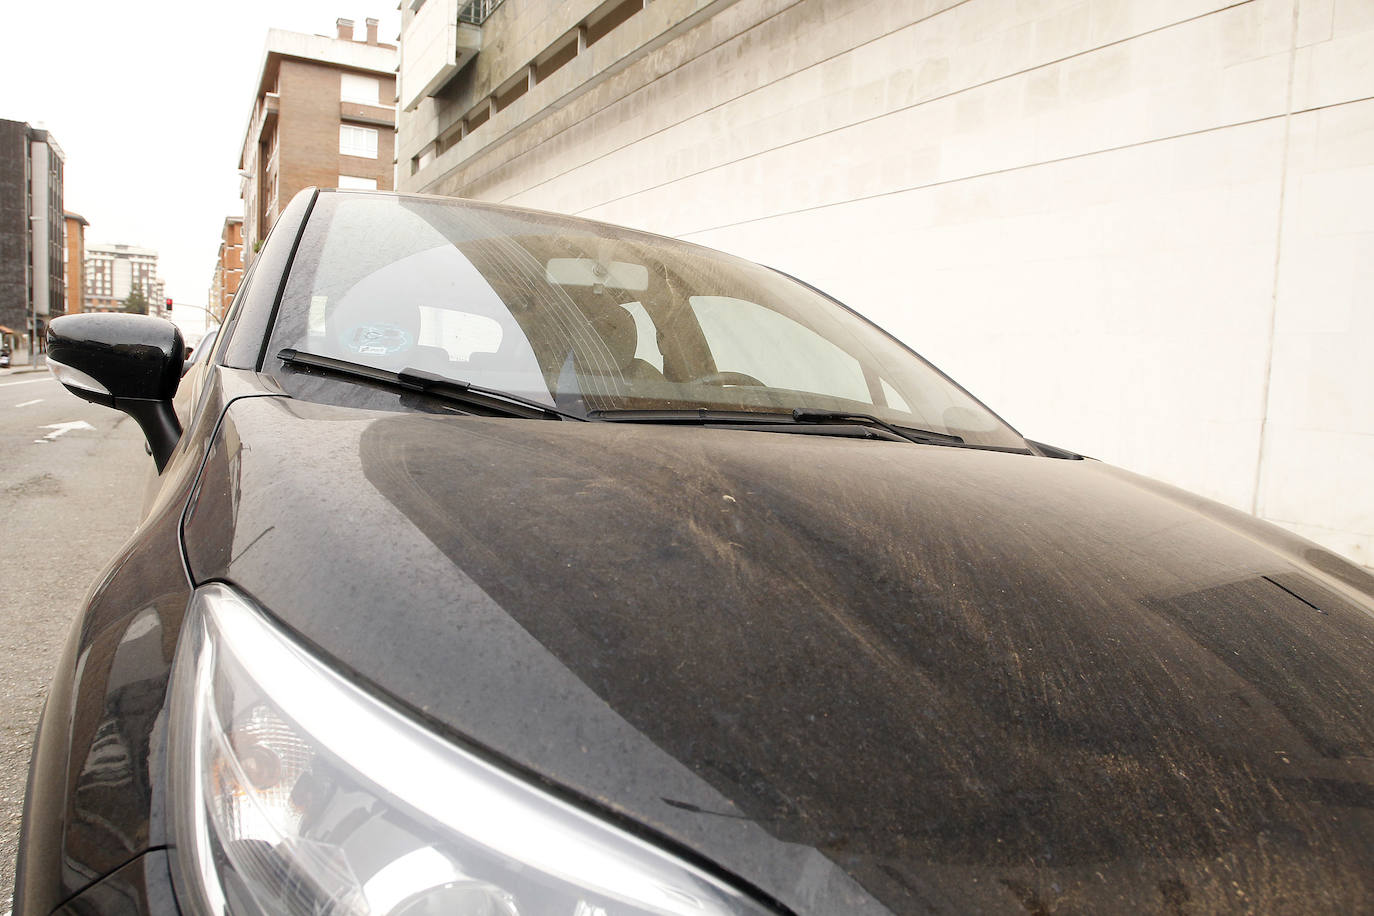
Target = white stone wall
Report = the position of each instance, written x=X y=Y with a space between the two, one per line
x=1141 y=229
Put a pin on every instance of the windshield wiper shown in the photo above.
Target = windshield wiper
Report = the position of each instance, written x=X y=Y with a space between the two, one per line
x=430 y=384
x=814 y=415
x=781 y=422
x=696 y=416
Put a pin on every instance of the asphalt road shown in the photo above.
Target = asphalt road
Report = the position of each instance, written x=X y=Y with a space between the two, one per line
x=68 y=499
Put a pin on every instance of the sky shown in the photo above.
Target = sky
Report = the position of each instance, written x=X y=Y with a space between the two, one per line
x=149 y=101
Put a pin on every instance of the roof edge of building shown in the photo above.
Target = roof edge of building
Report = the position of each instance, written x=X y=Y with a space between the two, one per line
x=338 y=52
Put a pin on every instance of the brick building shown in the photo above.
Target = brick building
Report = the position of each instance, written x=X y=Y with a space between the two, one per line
x=228 y=267
x=32 y=284
x=324 y=115
x=114 y=271
x=74 y=262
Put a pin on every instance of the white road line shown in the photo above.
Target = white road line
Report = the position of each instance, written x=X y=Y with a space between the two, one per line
x=31 y=381
x=61 y=429
x=30 y=403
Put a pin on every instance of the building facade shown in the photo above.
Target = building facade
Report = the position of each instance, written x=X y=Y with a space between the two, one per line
x=324 y=115
x=115 y=271
x=228 y=271
x=1108 y=219
x=32 y=233
x=74 y=262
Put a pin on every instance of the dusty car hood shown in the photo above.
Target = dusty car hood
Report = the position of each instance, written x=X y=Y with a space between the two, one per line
x=861 y=675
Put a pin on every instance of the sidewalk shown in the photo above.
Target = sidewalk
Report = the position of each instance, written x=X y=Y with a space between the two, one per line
x=19 y=364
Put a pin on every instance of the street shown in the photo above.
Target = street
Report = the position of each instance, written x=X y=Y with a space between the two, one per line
x=71 y=484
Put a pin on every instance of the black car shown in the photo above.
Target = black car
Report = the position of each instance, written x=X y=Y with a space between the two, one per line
x=506 y=563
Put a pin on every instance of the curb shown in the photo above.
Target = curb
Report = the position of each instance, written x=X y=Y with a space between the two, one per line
x=26 y=368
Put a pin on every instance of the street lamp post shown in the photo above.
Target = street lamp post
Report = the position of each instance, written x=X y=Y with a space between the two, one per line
x=200 y=308
x=33 y=305
x=209 y=315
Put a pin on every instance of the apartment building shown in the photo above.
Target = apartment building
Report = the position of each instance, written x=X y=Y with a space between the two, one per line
x=1107 y=219
x=228 y=273
x=74 y=262
x=324 y=115
x=114 y=271
x=32 y=280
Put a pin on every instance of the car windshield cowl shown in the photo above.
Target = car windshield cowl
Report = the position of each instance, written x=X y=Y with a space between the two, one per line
x=428 y=383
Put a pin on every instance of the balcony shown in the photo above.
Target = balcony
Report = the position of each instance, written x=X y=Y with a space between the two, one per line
x=268 y=111
x=477 y=11
x=372 y=115
x=437 y=43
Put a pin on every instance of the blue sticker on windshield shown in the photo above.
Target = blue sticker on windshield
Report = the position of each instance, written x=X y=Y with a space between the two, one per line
x=376 y=339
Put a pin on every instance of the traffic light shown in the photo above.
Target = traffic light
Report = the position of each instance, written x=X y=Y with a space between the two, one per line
x=169 y=303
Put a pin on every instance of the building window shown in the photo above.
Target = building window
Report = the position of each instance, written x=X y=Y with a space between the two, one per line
x=357 y=141
x=353 y=183
x=365 y=90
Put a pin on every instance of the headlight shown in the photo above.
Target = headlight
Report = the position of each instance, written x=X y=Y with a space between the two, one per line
x=296 y=792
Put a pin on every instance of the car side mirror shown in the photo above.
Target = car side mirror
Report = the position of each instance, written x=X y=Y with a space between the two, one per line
x=129 y=362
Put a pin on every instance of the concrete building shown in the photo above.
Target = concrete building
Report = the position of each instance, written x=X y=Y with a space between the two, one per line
x=228 y=271
x=32 y=283
x=1140 y=230
x=114 y=271
x=324 y=115
x=74 y=262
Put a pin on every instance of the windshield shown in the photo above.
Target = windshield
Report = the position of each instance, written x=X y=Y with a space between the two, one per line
x=594 y=319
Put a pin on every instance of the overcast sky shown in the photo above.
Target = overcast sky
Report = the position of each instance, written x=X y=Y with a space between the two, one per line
x=149 y=100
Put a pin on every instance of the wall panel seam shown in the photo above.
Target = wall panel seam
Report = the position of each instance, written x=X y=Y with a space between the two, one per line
x=1266 y=385
x=914 y=105
x=1010 y=169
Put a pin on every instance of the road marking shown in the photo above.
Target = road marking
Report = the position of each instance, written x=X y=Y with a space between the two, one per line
x=30 y=403
x=30 y=381
x=61 y=429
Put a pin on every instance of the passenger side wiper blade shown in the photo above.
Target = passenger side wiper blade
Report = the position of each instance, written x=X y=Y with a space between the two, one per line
x=704 y=416
x=814 y=415
x=696 y=416
x=431 y=384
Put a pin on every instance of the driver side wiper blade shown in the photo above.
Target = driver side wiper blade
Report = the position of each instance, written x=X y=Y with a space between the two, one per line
x=428 y=383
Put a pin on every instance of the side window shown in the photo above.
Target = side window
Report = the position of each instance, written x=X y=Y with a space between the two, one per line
x=748 y=338
x=460 y=334
x=894 y=400
x=647 y=346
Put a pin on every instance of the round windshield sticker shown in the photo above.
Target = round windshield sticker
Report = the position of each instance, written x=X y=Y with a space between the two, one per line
x=376 y=339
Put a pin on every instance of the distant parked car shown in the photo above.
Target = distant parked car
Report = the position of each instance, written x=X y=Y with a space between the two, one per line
x=196 y=353
x=4 y=357
x=506 y=563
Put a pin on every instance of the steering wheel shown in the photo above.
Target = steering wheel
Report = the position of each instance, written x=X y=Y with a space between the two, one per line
x=729 y=378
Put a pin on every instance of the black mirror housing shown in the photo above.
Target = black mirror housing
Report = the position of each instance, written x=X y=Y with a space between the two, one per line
x=129 y=362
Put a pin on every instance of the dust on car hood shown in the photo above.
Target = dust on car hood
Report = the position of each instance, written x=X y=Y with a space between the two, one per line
x=862 y=676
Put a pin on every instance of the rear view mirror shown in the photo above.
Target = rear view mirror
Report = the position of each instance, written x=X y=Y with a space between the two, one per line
x=129 y=362
x=587 y=272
